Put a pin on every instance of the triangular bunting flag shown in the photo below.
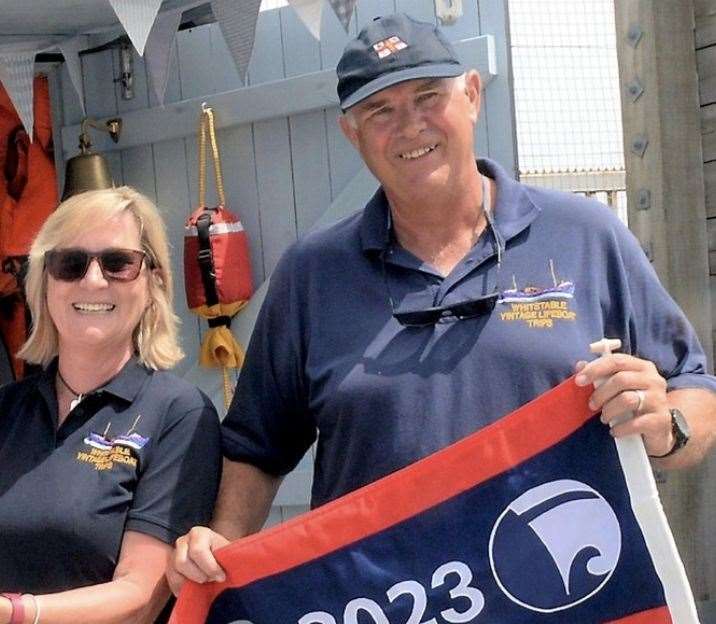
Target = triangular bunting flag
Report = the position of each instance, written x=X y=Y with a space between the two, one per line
x=137 y=17
x=237 y=20
x=159 y=52
x=343 y=10
x=16 y=75
x=310 y=13
x=70 y=49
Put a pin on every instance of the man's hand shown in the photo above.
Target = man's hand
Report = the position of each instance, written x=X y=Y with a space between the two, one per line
x=630 y=385
x=194 y=558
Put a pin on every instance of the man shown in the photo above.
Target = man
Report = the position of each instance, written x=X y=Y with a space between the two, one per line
x=438 y=309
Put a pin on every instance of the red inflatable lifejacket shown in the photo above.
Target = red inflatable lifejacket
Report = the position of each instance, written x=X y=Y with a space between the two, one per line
x=217 y=265
x=28 y=194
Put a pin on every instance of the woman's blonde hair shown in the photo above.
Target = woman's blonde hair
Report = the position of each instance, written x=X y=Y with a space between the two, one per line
x=155 y=337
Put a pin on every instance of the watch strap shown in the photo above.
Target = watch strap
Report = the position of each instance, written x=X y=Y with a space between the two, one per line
x=17 y=616
x=681 y=437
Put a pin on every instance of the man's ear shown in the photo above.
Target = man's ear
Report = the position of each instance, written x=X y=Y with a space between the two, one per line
x=473 y=91
x=348 y=129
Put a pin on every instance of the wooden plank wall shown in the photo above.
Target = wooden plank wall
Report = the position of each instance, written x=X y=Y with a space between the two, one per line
x=280 y=174
x=705 y=35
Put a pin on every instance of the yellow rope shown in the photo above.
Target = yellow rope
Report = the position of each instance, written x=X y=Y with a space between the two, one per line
x=215 y=153
x=206 y=121
x=228 y=387
x=202 y=161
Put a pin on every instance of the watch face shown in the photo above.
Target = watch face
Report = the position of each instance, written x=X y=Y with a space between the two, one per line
x=680 y=428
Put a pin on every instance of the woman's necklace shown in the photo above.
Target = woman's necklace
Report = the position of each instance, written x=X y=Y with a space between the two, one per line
x=78 y=395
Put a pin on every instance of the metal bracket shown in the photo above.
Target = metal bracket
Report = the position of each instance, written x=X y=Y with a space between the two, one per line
x=635 y=89
x=634 y=35
x=126 y=64
x=639 y=144
x=648 y=248
x=643 y=199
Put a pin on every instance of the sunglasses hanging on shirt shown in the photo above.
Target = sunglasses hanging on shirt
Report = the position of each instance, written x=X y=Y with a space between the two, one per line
x=470 y=308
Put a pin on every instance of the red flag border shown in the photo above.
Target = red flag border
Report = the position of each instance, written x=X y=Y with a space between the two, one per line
x=481 y=456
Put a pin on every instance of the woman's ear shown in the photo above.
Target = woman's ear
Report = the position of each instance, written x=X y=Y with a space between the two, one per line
x=157 y=277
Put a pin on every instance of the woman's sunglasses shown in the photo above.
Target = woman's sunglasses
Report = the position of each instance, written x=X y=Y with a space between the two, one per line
x=71 y=264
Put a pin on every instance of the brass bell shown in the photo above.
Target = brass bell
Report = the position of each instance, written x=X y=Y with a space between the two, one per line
x=89 y=171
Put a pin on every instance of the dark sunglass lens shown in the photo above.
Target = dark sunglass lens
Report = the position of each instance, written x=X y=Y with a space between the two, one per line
x=67 y=264
x=417 y=318
x=475 y=307
x=121 y=264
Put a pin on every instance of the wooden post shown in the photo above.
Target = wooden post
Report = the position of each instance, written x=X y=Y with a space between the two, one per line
x=665 y=190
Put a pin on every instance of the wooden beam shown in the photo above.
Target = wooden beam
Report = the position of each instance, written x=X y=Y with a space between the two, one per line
x=667 y=118
x=671 y=167
x=704 y=7
x=711 y=231
x=707 y=91
x=706 y=62
x=710 y=186
x=708 y=133
x=705 y=30
x=578 y=181
x=269 y=100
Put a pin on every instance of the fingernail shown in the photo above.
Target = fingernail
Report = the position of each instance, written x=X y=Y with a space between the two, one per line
x=581 y=380
x=592 y=405
x=219 y=578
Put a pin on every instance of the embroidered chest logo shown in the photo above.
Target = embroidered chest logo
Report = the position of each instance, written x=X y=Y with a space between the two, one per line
x=539 y=306
x=389 y=46
x=105 y=452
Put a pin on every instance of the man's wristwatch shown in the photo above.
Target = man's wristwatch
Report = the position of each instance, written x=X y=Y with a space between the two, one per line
x=680 y=430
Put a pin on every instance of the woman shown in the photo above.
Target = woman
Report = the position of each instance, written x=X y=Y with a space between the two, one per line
x=105 y=458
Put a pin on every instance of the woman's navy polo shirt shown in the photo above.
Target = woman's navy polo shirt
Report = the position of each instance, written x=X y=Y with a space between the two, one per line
x=142 y=454
x=328 y=359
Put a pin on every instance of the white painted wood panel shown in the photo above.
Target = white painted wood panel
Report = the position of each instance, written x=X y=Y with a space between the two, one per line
x=138 y=169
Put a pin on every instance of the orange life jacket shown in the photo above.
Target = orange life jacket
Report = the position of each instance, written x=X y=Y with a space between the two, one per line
x=28 y=194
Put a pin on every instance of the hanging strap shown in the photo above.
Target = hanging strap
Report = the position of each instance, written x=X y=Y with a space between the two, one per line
x=203 y=223
x=206 y=121
x=206 y=258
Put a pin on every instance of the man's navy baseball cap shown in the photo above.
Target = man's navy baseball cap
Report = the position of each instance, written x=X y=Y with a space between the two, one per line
x=390 y=50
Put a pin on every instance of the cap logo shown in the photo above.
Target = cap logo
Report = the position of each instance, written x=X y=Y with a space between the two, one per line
x=389 y=46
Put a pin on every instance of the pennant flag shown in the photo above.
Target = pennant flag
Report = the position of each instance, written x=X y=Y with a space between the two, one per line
x=237 y=20
x=343 y=10
x=70 y=49
x=159 y=52
x=528 y=520
x=310 y=13
x=16 y=75
x=137 y=17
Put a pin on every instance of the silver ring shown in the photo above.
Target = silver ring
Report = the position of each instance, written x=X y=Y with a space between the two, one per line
x=642 y=397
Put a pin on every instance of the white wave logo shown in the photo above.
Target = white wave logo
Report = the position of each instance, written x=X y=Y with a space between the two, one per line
x=555 y=546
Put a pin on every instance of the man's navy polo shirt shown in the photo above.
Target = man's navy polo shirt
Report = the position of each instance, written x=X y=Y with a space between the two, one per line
x=327 y=358
x=142 y=454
